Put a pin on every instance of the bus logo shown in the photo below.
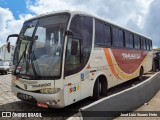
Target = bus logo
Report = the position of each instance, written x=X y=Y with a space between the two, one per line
x=131 y=56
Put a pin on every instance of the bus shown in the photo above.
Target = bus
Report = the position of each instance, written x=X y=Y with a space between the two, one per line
x=63 y=57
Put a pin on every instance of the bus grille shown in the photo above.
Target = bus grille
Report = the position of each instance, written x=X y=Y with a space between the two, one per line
x=26 y=98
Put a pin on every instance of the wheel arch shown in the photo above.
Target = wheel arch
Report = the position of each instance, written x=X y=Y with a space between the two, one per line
x=102 y=79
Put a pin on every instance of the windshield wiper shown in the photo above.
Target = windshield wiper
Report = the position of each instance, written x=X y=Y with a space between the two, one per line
x=23 y=54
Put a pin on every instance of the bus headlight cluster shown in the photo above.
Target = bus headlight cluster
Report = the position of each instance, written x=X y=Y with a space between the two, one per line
x=49 y=90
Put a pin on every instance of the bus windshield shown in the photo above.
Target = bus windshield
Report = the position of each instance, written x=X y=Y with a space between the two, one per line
x=38 y=51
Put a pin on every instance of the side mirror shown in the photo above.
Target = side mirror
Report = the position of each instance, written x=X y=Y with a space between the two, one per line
x=8 y=47
x=13 y=35
x=8 y=43
x=74 y=47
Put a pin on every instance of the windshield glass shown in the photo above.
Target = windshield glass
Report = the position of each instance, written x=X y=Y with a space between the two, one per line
x=22 y=47
x=40 y=52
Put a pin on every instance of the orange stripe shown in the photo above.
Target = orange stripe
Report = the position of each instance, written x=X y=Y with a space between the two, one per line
x=110 y=62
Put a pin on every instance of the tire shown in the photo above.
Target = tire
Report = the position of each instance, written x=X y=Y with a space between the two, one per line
x=96 y=90
x=6 y=72
x=140 y=77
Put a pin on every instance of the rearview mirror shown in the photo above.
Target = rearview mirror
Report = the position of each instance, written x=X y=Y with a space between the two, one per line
x=8 y=43
x=13 y=35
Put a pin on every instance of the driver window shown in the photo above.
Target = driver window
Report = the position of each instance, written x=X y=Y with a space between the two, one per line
x=72 y=60
x=82 y=27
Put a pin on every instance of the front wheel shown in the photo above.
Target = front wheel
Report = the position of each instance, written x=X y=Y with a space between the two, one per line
x=96 y=90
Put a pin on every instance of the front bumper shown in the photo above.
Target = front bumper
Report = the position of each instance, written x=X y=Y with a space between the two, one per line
x=52 y=100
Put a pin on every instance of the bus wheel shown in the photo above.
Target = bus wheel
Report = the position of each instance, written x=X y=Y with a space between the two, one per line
x=103 y=85
x=96 y=90
x=141 y=74
x=100 y=87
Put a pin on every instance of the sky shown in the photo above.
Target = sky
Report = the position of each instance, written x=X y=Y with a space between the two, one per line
x=141 y=16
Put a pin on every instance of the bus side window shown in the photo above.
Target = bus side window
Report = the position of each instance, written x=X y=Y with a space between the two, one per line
x=115 y=39
x=147 y=44
x=121 y=38
x=150 y=45
x=107 y=35
x=99 y=36
x=128 y=40
x=136 y=42
x=142 y=43
x=118 y=37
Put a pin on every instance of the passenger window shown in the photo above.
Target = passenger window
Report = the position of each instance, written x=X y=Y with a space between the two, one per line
x=107 y=34
x=150 y=45
x=136 y=42
x=128 y=40
x=143 y=43
x=115 y=37
x=147 y=44
x=118 y=37
x=121 y=38
x=99 y=36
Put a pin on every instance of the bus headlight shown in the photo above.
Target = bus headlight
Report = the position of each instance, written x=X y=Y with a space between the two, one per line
x=49 y=90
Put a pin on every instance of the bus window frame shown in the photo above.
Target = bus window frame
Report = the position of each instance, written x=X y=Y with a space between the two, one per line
x=124 y=42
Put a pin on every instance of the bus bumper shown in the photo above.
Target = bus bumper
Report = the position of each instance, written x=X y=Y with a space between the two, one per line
x=42 y=100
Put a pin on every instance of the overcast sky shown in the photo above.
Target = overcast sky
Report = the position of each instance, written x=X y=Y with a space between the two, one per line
x=142 y=16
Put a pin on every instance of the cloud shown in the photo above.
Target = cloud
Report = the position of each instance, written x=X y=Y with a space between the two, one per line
x=126 y=13
x=9 y=25
x=137 y=15
x=120 y=12
x=152 y=23
x=5 y=15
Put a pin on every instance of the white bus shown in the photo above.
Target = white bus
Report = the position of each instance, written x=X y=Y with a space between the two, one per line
x=63 y=57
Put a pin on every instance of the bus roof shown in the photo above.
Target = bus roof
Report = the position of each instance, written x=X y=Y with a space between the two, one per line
x=88 y=14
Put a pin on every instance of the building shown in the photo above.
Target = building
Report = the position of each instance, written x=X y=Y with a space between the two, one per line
x=4 y=55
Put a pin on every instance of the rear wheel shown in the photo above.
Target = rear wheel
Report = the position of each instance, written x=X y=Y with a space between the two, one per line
x=141 y=74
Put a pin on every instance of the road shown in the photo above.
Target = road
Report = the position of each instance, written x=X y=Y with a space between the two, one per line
x=9 y=102
x=152 y=106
